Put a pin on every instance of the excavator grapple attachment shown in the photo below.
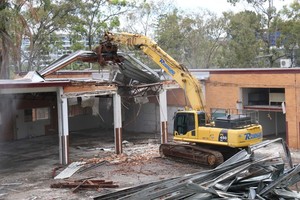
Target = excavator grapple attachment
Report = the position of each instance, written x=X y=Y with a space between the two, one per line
x=193 y=153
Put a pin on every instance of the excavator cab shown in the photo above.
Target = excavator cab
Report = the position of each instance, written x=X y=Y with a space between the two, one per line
x=187 y=122
x=184 y=122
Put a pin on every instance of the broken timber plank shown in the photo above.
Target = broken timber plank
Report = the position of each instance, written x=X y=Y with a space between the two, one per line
x=85 y=184
x=76 y=188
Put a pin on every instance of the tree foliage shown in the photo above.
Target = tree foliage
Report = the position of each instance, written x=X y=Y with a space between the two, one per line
x=199 y=39
x=94 y=18
x=192 y=39
x=272 y=24
x=41 y=22
x=289 y=27
x=170 y=33
x=4 y=37
x=43 y=19
x=144 y=16
x=242 y=44
x=34 y=20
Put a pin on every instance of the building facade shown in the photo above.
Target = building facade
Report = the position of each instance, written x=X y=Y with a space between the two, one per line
x=273 y=93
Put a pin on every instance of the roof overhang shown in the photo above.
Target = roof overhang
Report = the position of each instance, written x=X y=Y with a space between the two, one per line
x=25 y=87
x=248 y=70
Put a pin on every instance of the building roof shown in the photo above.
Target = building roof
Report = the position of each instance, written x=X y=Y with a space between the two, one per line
x=31 y=80
x=34 y=79
x=248 y=70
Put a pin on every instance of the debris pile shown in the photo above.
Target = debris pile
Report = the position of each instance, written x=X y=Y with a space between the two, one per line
x=246 y=175
x=133 y=155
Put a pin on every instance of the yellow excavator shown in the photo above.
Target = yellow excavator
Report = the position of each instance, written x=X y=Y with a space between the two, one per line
x=203 y=141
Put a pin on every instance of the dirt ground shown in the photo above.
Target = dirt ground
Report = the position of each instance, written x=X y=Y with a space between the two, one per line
x=27 y=166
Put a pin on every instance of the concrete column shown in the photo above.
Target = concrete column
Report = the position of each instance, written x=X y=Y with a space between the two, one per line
x=117 y=123
x=63 y=127
x=163 y=107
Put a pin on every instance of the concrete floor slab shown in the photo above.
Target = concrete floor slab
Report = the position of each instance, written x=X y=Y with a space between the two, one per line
x=27 y=167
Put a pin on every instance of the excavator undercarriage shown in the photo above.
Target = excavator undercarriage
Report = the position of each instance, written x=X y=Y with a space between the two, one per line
x=204 y=154
x=193 y=153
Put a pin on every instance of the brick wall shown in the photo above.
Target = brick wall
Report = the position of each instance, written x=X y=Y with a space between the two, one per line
x=223 y=90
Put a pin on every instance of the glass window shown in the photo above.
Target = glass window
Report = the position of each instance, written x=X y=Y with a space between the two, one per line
x=41 y=113
x=184 y=122
x=28 y=115
x=35 y=114
x=201 y=119
x=190 y=122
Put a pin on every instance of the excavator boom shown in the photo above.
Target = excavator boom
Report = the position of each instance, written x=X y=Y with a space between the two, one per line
x=177 y=71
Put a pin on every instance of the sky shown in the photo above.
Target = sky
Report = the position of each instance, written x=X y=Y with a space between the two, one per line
x=219 y=6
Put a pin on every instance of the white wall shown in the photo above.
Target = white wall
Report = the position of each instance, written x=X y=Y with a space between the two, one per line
x=83 y=122
x=142 y=118
x=103 y=119
x=272 y=122
x=29 y=129
x=106 y=113
x=146 y=118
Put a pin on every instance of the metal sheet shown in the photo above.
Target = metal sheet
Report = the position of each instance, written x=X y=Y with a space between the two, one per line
x=244 y=176
x=287 y=194
x=70 y=170
x=64 y=61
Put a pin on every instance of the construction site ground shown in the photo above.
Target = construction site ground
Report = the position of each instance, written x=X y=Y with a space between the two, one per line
x=27 y=166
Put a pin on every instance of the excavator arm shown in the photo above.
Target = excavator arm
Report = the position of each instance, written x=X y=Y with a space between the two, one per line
x=190 y=126
x=178 y=72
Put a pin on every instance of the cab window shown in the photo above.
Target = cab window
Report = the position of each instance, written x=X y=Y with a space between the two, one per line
x=184 y=122
x=201 y=119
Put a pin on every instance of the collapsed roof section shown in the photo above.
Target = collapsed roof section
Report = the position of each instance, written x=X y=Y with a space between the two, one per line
x=129 y=71
x=85 y=56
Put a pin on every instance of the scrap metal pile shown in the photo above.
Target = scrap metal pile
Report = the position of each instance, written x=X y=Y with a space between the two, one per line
x=247 y=175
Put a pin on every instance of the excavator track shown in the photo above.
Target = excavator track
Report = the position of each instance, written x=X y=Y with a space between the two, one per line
x=192 y=153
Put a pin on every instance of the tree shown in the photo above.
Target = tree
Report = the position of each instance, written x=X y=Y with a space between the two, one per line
x=289 y=27
x=204 y=40
x=39 y=21
x=192 y=38
x=268 y=14
x=34 y=20
x=95 y=17
x=169 y=34
x=43 y=19
x=242 y=44
x=5 y=38
x=143 y=17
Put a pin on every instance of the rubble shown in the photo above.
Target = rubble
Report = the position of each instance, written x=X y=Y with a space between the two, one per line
x=132 y=155
x=246 y=175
